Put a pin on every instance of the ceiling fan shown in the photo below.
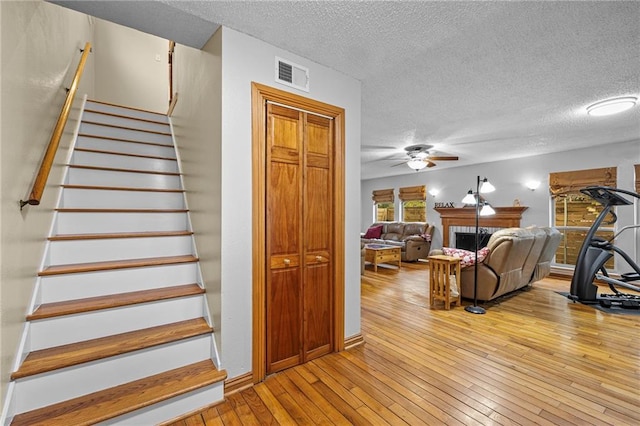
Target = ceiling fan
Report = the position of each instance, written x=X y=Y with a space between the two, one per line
x=420 y=157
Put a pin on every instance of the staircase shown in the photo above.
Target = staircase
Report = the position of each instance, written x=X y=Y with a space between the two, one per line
x=119 y=330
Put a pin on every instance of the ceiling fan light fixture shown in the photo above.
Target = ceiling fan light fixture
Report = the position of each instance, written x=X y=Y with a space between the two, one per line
x=611 y=106
x=416 y=164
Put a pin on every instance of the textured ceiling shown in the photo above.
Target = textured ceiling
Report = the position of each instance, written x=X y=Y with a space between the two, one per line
x=485 y=81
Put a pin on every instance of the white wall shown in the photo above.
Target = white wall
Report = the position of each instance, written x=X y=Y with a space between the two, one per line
x=509 y=177
x=127 y=70
x=246 y=59
x=40 y=53
x=197 y=126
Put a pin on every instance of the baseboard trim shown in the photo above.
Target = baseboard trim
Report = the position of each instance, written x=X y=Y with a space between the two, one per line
x=353 y=341
x=238 y=383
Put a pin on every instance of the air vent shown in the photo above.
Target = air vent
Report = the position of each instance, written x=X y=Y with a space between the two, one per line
x=292 y=75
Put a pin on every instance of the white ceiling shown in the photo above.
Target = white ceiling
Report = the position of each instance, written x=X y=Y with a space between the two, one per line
x=485 y=81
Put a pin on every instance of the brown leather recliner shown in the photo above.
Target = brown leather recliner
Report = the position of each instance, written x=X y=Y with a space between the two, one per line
x=543 y=267
x=501 y=271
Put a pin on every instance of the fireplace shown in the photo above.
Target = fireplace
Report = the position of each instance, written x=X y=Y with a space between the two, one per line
x=505 y=217
x=467 y=240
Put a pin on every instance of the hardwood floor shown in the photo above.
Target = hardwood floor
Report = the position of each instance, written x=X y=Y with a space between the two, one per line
x=534 y=358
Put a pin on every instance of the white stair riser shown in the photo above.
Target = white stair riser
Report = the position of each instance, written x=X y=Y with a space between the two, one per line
x=114 y=109
x=125 y=147
x=51 y=332
x=78 y=176
x=127 y=134
x=124 y=162
x=98 y=199
x=125 y=122
x=172 y=408
x=59 y=385
x=85 y=251
x=94 y=223
x=56 y=288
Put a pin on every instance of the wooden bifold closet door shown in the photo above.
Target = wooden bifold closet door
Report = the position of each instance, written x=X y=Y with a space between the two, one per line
x=299 y=220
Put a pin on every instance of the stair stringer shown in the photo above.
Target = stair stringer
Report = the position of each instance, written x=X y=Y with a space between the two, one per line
x=161 y=411
x=217 y=359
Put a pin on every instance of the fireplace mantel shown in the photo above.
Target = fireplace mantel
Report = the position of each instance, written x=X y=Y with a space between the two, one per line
x=505 y=217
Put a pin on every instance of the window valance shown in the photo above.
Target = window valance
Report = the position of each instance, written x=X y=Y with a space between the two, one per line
x=637 y=166
x=383 y=196
x=413 y=193
x=563 y=183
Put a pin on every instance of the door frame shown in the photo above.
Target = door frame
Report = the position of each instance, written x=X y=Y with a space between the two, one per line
x=260 y=94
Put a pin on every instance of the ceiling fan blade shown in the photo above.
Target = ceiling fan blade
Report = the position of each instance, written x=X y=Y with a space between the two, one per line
x=430 y=163
x=442 y=157
x=399 y=164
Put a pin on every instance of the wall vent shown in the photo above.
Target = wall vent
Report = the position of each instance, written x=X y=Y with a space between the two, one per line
x=292 y=75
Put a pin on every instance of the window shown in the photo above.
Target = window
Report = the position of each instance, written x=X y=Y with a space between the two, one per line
x=385 y=212
x=574 y=212
x=384 y=209
x=414 y=204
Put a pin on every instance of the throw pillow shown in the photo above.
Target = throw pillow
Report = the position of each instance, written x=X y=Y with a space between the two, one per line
x=374 y=232
x=426 y=237
x=467 y=258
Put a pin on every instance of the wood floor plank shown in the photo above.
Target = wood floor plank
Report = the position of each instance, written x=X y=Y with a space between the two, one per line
x=534 y=358
x=258 y=408
x=239 y=405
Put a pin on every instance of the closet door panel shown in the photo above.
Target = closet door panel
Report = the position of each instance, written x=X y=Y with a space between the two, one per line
x=318 y=313
x=283 y=319
x=284 y=290
x=318 y=240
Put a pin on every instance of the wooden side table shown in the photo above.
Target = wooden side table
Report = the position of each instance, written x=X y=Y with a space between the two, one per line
x=380 y=253
x=440 y=269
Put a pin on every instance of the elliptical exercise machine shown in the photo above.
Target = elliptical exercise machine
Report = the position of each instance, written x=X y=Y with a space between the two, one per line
x=596 y=251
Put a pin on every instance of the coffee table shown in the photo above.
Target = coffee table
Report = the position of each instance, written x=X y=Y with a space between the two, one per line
x=382 y=253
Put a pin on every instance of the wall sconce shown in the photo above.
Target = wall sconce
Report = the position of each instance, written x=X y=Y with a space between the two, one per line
x=434 y=192
x=532 y=184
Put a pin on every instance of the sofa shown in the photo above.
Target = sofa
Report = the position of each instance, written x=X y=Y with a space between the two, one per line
x=515 y=258
x=414 y=238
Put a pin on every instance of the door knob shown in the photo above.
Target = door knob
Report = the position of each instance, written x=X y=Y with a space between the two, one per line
x=287 y=262
x=318 y=258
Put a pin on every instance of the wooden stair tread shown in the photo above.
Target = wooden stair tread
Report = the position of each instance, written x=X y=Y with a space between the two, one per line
x=55 y=358
x=111 y=138
x=128 y=117
x=148 y=234
x=120 y=188
x=127 y=107
x=115 y=126
x=76 y=306
x=82 y=210
x=114 y=169
x=124 y=154
x=119 y=400
x=115 y=264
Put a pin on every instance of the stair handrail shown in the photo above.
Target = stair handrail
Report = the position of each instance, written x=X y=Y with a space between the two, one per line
x=47 y=161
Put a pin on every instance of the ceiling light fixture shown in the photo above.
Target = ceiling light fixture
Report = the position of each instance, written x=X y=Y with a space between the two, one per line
x=611 y=106
x=416 y=164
